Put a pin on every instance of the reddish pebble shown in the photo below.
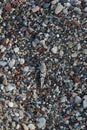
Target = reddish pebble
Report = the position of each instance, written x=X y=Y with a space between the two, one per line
x=76 y=79
x=8 y=7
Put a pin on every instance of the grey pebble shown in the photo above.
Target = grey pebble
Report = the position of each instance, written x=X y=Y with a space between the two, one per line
x=12 y=63
x=10 y=87
x=78 y=100
x=85 y=104
x=63 y=99
x=77 y=10
x=3 y=63
x=41 y=122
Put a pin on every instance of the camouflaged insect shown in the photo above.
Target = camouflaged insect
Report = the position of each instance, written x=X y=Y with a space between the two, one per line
x=42 y=73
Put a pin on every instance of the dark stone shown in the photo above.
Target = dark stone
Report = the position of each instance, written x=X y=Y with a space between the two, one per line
x=1 y=79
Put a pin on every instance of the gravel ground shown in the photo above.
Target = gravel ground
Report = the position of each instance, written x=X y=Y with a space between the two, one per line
x=43 y=65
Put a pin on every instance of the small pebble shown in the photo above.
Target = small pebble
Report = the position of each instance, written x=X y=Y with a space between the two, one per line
x=11 y=104
x=13 y=124
x=3 y=63
x=78 y=46
x=85 y=97
x=41 y=122
x=85 y=9
x=25 y=127
x=58 y=9
x=12 y=63
x=1 y=79
x=26 y=69
x=10 y=87
x=77 y=10
x=31 y=127
x=16 y=50
x=74 y=55
x=73 y=1
x=63 y=99
x=42 y=73
x=5 y=80
x=22 y=61
x=55 y=1
x=54 y=49
x=67 y=4
x=35 y=9
x=78 y=100
x=85 y=51
x=18 y=127
x=3 y=48
x=61 y=53
x=85 y=104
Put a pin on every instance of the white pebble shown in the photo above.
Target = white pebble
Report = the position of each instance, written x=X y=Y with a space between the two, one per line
x=12 y=63
x=61 y=53
x=31 y=126
x=58 y=35
x=79 y=46
x=2 y=48
x=22 y=61
x=10 y=104
x=54 y=49
x=16 y=50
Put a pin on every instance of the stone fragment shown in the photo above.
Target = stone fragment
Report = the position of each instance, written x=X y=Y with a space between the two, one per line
x=22 y=61
x=74 y=55
x=5 y=80
x=1 y=79
x=12 y=63
x=85 y=10
x=2 y=48
x=85 y=104
x=63 y=99
x=78 y=46
x=73 y=1
x=10 y=87
x=3 y=63
x=55 y=1
x=11 y=104
x=26 y=69
x=13 y=124
x=54 y=49
x=8 y=7
x=85 y=51
x=31 y=127
x=16 y=50
x=58 y=9
x=42 y=73
x=78 y=100
x=25 y=127
x=41 y=122
x=35 y=9
x=61 y=53
x=43 y=43
x=77 y=10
